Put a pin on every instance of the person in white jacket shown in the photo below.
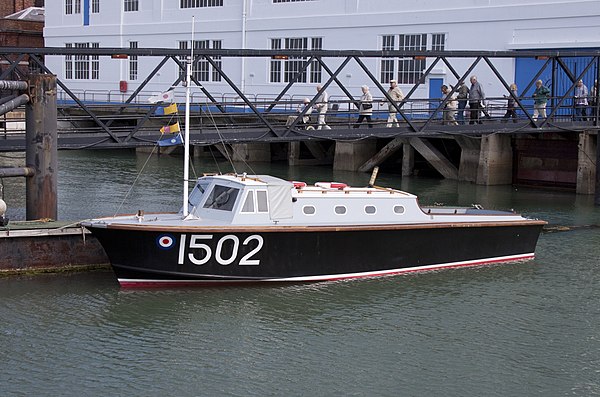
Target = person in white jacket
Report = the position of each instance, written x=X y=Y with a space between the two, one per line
x=322 y=106
x=397 y=96
x=365 y=107
x=450 y=107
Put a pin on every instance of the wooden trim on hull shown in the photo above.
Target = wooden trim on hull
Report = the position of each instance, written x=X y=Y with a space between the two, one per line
x=292 y=229
x=158 y=283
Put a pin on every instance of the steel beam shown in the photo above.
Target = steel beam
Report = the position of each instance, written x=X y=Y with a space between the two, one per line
x=13 y=85
x=13 y=104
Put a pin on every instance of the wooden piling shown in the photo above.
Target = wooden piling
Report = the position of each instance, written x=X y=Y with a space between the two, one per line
x=42 y=144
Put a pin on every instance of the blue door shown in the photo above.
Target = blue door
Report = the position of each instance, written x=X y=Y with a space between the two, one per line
x=435 y=92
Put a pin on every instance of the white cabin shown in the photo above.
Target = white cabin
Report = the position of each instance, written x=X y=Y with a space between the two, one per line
x=260 y=200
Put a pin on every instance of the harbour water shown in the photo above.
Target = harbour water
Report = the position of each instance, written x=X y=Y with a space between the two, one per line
x=522 y=329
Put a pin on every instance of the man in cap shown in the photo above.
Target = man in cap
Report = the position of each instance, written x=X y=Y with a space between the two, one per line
x=397 y=96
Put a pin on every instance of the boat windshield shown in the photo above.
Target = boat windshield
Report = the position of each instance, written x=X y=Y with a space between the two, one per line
x=222 y=198
x=198 y=193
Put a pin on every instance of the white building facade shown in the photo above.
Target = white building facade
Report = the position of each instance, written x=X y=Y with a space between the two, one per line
x=310 y=24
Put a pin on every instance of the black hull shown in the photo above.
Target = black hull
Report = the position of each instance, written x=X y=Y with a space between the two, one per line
x=180 y=257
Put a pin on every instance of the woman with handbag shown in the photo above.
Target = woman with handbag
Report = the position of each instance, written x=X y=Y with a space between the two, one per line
x=365 y=107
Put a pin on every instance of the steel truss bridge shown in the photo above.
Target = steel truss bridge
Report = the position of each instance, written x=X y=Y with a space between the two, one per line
x=109 y=120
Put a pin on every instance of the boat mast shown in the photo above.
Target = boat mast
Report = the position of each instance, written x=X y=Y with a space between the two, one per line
x=186 y=139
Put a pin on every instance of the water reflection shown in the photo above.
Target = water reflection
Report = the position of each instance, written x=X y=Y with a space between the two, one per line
x=517 y=329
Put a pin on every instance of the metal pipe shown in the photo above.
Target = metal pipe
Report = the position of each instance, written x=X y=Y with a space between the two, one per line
x=13 y=85
x=16 y=171
x=13 y=104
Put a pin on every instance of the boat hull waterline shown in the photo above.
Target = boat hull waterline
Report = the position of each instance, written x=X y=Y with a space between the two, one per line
x=178 y=256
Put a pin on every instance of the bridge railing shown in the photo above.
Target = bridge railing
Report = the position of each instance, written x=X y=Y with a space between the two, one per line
x=122 y=116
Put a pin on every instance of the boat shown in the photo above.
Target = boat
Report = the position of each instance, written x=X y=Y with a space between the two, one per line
x=239 y=228
x=260 y=228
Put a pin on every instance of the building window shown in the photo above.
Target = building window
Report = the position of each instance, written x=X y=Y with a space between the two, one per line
x=200 y=3
x=288 y=68
x=438 y=42
x=289 y=1
x=68 y=63
x=133 y=62
x=408 y=70
x=72 y=7
x=315 y=67
x=95 y=63
x=131 y=5
x=217 y=45
x=82 y=63
x=95 y=6
x=202 y=69
x=387 y=64
x=82 y=67
x=275 y=71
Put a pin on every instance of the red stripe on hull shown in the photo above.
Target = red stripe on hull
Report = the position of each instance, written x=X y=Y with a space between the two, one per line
x=200 y=283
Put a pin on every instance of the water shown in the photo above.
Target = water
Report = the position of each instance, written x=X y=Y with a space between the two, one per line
x=523 y=329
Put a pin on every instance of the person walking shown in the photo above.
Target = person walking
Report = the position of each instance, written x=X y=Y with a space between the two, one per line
x=322 y=106
x=476 y=98
x=299 y=109
x=510 y=106
x=540 y=96
x=365 y=107
x=450 y=107
x=581 y=101
x=462 y=96
x=397 y=96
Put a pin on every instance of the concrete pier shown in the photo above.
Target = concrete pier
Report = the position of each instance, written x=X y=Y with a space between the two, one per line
x=495 y=160
x=251 y=152
x=349 y=156
x=586 y=167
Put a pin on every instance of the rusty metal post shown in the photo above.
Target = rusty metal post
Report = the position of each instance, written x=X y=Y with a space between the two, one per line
x=42 y=147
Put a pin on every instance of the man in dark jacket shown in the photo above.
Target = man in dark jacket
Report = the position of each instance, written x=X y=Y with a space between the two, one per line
x=476 y=98
x=540 y=96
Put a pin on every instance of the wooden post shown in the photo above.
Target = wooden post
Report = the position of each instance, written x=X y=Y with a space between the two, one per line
x=42 y=148
x=597 y=188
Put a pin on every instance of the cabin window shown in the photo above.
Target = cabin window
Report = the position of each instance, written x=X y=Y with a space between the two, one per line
x=340 y=209
x=197 y=194
x=261 y=198
x=370 y=209
x=309 y=210
x=222 y=198
x=249 y=203
x=398 y=209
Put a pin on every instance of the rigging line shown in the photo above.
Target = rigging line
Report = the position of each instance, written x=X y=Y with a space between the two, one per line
x=220 y=136
x=232 y=148
x=136 y=179
x=214 y=158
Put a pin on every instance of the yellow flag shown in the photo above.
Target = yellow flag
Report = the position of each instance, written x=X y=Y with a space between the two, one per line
x=173 y=128
x=172 y=108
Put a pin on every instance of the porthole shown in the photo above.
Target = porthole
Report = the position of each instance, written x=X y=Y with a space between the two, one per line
x=370 y=209
x=340 y=209
x=309 y=210
x=398 y=209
